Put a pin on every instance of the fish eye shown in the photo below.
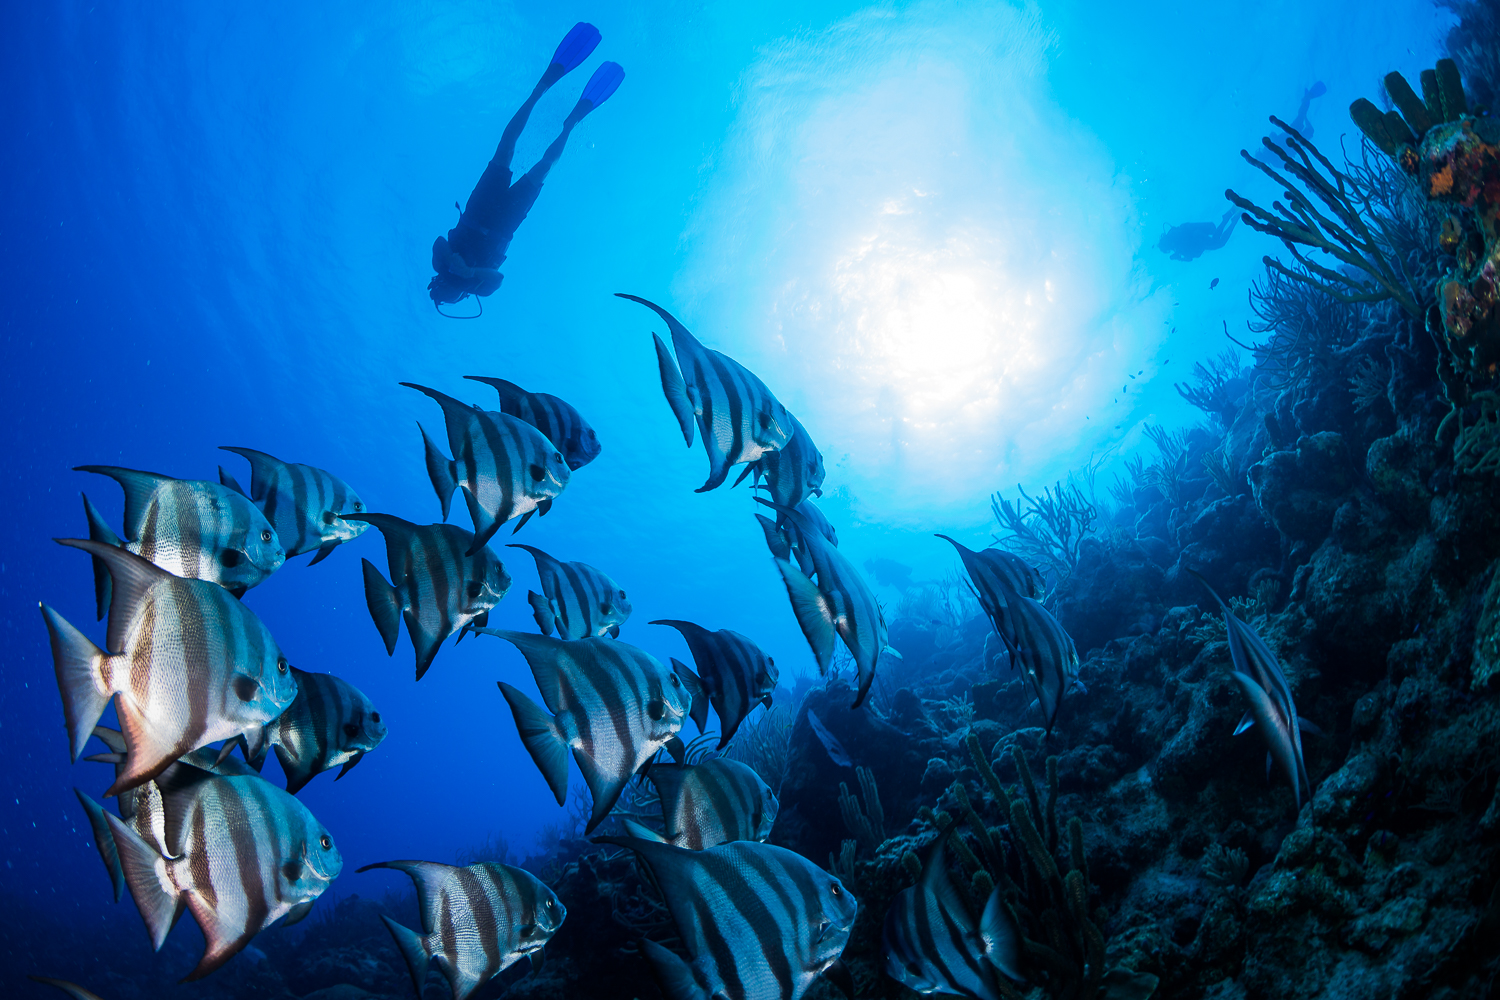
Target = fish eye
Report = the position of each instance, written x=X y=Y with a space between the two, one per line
x=326 y=841
x=537 y=472
x=474 y=588
x=557 y=456
x=675 y=681
x=265 y=534
x=837 y=891
x=374 y=716
x=281 y=665
x=358 y=505
x=622 y=595
x=328 y=516
x=230 y=558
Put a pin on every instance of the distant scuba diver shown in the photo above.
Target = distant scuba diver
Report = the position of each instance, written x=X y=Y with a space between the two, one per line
x=1300 y=123
x=467 y=262
x=1192 y=239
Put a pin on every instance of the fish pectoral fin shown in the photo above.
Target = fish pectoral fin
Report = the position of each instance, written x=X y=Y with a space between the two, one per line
x=349 y=765
x=812 y=611
x=1246 y=721
x=542 y=740
x=1309 y=728
x=297 y=913
x=673 y=975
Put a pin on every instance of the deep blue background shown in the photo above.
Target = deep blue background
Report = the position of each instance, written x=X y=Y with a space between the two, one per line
x=216 y=227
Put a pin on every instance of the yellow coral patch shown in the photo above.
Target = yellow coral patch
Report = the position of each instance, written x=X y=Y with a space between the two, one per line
x=1442 y=181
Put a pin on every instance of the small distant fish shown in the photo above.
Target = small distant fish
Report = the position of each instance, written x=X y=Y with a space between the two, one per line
x=1132 y=376
x=740 y=419
x=1045 y=653
x=836 y=751
x=330 y=723
x=477 y=921
x=558 y=420
x=576 y=599
x=439 y=587
x=194 y=666
x=715 y=802
x=304 y=504
x=614 y=705
x=1272 y=710
x=931 y=942
x=1213 y=284
x=71 y=989
x=792 y=473
x=758 y=922
x=193 y=529
x=507 y=468
x=839 y=604
x=241 y=855
x=734 y=675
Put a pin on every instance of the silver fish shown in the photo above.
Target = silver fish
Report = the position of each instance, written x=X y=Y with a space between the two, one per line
x=241 y=855
x=477 y=921
x=740 y=419
x=71 y=989
x=839 y=604
x=194 y=666
x=304 y=504
x=711 y=803
x=614 y=705
x=330 y=723
x=758 y=922
x=1045 y=653
x=836 y=751
x=563 y=425
x=576 y=599
x=438 y=586
x=932 y=944
x=734 y=675
x=192 y=529
x=792 y=473
x=1272 y=710
x=998 y=577
x=507 y=468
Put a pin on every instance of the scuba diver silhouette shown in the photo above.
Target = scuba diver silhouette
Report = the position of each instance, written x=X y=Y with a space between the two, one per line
x=468 y=260
x=1192 y=239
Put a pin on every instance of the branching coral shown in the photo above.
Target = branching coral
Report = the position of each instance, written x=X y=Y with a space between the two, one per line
x=1477 y=450
x=1369 y=383
x=1167 y=472
x=763 y=744
x=1049 y=528
x=1211 y=388
x=867 y=825
x=1226 y=866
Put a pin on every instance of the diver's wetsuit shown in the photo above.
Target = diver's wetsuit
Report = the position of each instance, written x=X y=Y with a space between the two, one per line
x=467 y=262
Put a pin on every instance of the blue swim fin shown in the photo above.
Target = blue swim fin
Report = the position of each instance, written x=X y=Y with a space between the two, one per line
x=577 y=45
x=604 y=82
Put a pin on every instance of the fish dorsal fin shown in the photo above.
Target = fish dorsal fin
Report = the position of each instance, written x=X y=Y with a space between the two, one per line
x=264 y=470
x=455 y=414
x=1246 y=721
x=547 y=567
x=139 y=488
x=230 y=483
x=131 y=580
x=512 y=396
x=429 y=877
x=179 y=784
x=668 y=779
x=543 y=655
x=698 y=707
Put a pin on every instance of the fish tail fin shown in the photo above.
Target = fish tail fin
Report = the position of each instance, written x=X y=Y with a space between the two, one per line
x=411 y=948
x=99 y=531
x=542 y=740
x=385 y=606
x=673 y=975
x=812 y=613
x=145 y=870
x=105 y=841
x=675 y=389
x=78 y=662
x=442 y=470
x=541 y=610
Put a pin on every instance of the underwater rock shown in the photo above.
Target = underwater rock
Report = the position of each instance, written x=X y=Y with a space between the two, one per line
x=1487 y=636
x=1299 y=489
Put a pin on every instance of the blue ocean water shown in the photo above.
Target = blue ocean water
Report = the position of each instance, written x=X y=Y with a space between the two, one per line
x=929 y=227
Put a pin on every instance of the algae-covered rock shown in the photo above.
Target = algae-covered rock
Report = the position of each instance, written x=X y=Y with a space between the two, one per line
x=1299 y=489
x=1487 y=635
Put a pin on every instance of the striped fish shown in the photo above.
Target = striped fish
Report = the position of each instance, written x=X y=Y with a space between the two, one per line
x=932 y=945
x=785 y=538
x=1045 y=653
x=576 y=599
x=558 y=420
x=438 y=586
x=304 y=504
x=794 y=472
x=704 y=805
x=1272 y=710
x=839 y=604
x=613 y=704
x=738 y=416
x=734 y=675
x=193 y=666
x=998 y=577
x=330 y=723
x=506 y=467
x=192 y=529
x=476 y=921
x=758 y=922
x=71 y=989
x=241 y=855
